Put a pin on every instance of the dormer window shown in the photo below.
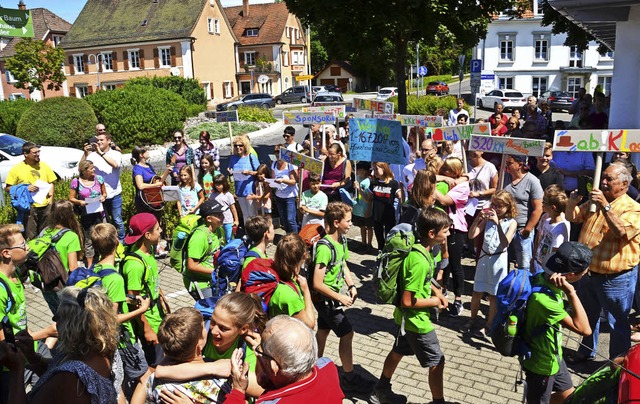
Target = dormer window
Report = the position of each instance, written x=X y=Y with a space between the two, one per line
x=251 y=32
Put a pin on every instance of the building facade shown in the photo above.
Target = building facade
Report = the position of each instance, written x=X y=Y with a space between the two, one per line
x=339 y=74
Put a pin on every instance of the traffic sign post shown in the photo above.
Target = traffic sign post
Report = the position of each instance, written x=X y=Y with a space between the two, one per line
x=422 y=71
x=476 y=78
x=16 y=23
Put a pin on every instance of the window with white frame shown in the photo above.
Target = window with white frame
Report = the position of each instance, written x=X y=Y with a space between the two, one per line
x=505 y=82
x=165 y=57
x=15 y=96
x=297 y=58
x=206 y=87
x=109 y=87
x=538 y=9
x=250 y=58
x=210 y=25
x=287 y=31
x=227 y=89
x=56 y=40
x=251 y=32
x=573 y=85
x=82 y=91
x=285 y=58
x=539 y=85
x=575 y=57
x=78 y=63
x=10 y=78
x=507 y=51
x=605 y=83
x=107 y=61
x=216 y=26
x=134 y=59
x=607 y=56
x=540 y=47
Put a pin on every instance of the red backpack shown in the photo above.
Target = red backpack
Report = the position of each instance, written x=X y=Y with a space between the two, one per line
x=261 y=278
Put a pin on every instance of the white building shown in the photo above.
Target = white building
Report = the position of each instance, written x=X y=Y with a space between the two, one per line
x=524 y=55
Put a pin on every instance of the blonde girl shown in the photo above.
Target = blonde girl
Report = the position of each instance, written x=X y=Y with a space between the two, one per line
x=225 y=198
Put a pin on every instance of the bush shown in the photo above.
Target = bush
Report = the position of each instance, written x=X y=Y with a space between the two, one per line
x=255 y=114
x=428 y=105
x=139 y=115
x=189 y=89
x=10 y=113
x=58 y=121
x=220 y=130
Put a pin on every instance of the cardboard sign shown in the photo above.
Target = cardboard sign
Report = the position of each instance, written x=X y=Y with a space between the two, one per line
x=337 y=110
x=607 y=140
x=227 y=116
x=376 y=140
x=460 y=132
x=424 y=121
x=308 y=118
x=373 y=105
x=507 y=145
x=310 y=164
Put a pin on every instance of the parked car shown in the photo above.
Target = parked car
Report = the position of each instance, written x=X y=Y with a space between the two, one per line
x=263 y=100
x=318 y=89
x=327 y=98
x=511 y=99
x=293 y=94
x=557 y=99
x=62 y=160
x=332 y=88
x=438 y=88
x=387 y=92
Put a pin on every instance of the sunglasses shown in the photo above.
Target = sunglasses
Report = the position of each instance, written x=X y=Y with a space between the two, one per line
x=177 y=138
x=238 y=145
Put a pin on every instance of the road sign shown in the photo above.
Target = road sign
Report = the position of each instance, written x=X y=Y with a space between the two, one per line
x=305 y=77
x=227 y=116
x=476 y=77
x=422 y=71
x=16 y=23
x=476 y=65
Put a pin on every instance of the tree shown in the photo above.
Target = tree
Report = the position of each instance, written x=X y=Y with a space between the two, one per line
x=319 y=56
x=575 y=35
x=36 y=64
x=373 y=26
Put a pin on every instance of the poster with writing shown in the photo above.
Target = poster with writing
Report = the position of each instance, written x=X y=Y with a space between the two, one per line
x=337 y=110
x=608 y=140
x=227 y=116
x=300 y=160
x=460 y=132
x=308 y=118
x=376 y=140
x=507 y=145
x=377 y=106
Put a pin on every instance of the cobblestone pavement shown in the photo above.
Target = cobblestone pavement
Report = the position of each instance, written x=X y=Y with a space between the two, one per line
x=474 y=372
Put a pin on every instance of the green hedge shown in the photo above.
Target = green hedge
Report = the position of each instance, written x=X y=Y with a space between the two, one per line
x=58 y=121
x=428 y=104
x=189 y=89
x=220 y=130
x=139 y=114
x=10 y=113
x=255 y=114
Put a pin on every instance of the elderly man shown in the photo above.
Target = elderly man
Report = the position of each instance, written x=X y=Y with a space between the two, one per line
x=287 y=367
x=611 y=232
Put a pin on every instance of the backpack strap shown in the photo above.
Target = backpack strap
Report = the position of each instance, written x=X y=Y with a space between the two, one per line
x=145 y=285
x=251 y=157
x=11 y=300
x=56 y=237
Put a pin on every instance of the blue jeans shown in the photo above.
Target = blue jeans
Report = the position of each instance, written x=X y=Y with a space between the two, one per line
x=113 y=207
x=228 y=232
x=521 y=249
x=287 y=210
x=614 y=294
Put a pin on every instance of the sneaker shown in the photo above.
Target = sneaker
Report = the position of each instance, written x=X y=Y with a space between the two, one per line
x=467 y=327
x=456 y=308
x=384 y=395
x=353 y=382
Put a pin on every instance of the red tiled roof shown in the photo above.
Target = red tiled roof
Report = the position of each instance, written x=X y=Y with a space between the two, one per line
x=43 y=21
x=269 y=18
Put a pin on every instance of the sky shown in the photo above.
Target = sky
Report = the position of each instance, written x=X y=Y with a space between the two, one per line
x=69 y=9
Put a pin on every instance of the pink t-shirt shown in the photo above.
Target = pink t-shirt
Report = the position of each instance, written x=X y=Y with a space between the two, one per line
x=460 y=195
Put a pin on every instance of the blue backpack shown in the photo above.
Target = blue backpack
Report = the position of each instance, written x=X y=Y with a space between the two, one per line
x=229 y=266
x=84 y=278
x=507 y=329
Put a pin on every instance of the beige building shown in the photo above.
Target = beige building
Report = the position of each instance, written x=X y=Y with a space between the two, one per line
x=47 y=27
x=273 y=50
x=107 y=46
x=339 y=74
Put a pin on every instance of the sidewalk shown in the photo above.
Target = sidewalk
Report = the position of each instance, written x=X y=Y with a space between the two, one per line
x=474 y=372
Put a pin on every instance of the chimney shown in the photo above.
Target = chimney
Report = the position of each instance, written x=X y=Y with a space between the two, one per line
x=22 y=6
x=245 y=8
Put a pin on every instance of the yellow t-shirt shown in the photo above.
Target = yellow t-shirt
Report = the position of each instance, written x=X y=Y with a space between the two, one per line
x=23 y=173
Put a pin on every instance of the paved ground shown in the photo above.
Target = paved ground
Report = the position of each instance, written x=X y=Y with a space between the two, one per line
x=474 y=372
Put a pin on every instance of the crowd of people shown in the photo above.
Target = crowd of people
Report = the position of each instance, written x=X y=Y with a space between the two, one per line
x=122 y=342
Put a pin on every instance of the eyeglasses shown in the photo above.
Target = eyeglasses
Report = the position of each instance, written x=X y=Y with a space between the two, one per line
x=22 y=246
x=259 y=350
x=102 y=130
x=238 y=145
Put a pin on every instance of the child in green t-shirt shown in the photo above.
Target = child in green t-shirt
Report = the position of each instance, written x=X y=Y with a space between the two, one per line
x=261 y=233
x=327 y=283
x=13 y=250
x=416 y=334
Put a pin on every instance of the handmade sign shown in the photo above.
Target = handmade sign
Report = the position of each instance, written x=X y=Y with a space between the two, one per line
x=377 y=106
x=460 y=132
x=507 y=145
x=376 y=140
x=424 y=121
x=337 y=110
x=310 y=164
x=308 y=118
x=608 y=140
x=227 y=116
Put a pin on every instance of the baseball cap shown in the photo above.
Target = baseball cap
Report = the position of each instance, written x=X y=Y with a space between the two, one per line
x=571 y=257
x=211 y=207
x=138 y=225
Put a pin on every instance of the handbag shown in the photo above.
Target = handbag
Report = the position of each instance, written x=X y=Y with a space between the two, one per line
x=152 y=198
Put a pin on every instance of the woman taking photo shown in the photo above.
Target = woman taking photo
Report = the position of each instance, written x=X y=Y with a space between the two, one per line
x=285 y=176
x=207 y=148
x=243 y=166
x=178 y=156
x=87 y=186
x=337 y=172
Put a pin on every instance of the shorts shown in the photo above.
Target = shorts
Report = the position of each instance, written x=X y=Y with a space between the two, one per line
x=425 y=347
x=362 y=221
x=332 y=317
x=539 y=388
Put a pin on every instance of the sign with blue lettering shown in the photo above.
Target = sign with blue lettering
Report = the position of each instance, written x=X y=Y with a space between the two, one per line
x=227 y=116
x=422 y=71
x=376 y=140
x=308 y=118
x=476 y=65
x=488 y=77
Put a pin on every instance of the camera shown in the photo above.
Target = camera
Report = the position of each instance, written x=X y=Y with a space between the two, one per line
x=92 y=142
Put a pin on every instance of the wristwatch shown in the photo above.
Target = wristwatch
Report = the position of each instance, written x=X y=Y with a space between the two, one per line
x=607 y=208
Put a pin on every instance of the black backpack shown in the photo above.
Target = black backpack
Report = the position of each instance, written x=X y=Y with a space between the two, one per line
x=44 y=261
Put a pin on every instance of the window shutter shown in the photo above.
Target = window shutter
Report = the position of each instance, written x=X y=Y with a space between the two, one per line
x=89 y=90
x=114 y=61
x=85 y=65
x=156 y=60
x=125 y=59
x=72 y=91
x=232 y=92
x=224 y=93
x=211 y=90
x=141 y=58
x=173 y=56
x=72 y=68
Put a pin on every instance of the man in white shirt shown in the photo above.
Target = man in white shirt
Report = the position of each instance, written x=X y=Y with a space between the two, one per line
x=289 y=140
x=452 y=119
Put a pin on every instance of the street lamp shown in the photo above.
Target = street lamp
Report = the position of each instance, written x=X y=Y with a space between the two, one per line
x=96 y=59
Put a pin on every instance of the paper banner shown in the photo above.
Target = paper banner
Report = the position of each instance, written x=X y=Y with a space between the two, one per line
x=507 y=145
x=376 y=140
x=337 y=110
x=376 y=106
x=308 y=118
x=302 y=161
x=460 y=132
x=608 y=140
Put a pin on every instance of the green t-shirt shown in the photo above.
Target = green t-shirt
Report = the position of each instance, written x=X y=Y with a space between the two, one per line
x=202 y=247
x=249 y=259
x=286 y=300
x=18 y=313
x=417 y=271
x=211 y=354
x=68 y=243
x=333 y=277
x=546 y=349
x=113 y=286
x=132 y=272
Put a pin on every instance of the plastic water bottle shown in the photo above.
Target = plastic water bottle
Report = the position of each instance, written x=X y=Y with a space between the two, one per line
x=512 y=326
x=180 y=240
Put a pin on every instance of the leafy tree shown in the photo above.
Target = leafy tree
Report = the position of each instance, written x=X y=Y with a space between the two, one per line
x=371 y=27
x=562 y=25
x=319 y=55
x=10 y=113
x=36 y=64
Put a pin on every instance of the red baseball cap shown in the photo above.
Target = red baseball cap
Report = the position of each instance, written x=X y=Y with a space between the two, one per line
x=138 y=225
